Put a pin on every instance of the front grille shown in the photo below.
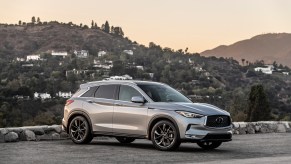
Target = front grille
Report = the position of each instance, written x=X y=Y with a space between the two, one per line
x=218 y=121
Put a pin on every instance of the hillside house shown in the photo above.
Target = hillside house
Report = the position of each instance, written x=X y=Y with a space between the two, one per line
x=42 y=96
x=190 y=61
x=20 y=59
x=108 y=64
x=76 y=72
x=96 y=61
x=104 y=66
x=151 y=75
x=60 y=53
x=27 y=65
x=123 y=77
x=102 y=53
x=21 y=97
x=81 y=54
x=268 y=69
x=64 y=94
x=139 y=67
x=129 y=52
x=32 y=57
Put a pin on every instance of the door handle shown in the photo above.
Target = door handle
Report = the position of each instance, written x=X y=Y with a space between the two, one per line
x=90 y=101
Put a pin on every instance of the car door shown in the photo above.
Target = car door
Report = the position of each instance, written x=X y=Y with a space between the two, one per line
x=100 y=108
x=129 y=118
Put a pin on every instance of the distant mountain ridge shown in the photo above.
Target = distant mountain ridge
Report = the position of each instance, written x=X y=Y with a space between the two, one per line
x=268 y=47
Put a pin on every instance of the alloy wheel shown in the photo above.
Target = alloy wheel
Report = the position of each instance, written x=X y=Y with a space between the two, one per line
x=80 y=131
x=165 y=136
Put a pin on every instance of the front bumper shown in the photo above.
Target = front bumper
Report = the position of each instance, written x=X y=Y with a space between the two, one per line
x=195 y=130
x=200 y=133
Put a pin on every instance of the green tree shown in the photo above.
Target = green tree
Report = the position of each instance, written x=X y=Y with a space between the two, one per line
x=92 y=24
x=258 y=109
x=19 y=23
x=38 y=20
x=243 y=61
x=33 y=20
x=107 y=27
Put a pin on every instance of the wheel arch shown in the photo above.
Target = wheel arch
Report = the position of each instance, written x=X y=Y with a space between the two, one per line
x=79 y=113
x=158 y=118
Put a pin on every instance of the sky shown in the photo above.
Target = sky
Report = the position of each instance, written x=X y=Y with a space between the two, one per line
x=196 y=24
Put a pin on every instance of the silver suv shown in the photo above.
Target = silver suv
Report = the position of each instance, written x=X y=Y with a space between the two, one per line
x=130 y=110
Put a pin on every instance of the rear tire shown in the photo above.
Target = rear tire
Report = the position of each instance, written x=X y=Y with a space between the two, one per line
x=125 y=140
x=79 y=130
x=165 y=136
x=209 y=145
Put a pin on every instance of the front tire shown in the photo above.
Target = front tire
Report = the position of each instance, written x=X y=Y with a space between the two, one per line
x=165 y=136
x=125 y=140
x=79 y=130
x=209 y=145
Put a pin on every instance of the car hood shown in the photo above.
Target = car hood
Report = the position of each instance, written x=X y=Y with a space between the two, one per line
x=199 y=108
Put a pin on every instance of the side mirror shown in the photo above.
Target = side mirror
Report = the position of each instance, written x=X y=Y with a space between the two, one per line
x=137 y=99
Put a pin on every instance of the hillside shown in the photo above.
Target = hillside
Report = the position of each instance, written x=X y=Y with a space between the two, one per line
x=267 y=47
x=32 y=39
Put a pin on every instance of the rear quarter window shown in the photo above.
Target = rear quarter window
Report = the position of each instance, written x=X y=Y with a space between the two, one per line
x=90 y=92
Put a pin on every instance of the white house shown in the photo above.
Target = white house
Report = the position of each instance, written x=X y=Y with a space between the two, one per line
x=101 y=53
x=139 y=67
x=64 y=94
x=285 y=73
x=20 y=59
x=96 y=61
x=151 y=75
x=104 y=66
x=108 y=64
x=27 y=65
x=82 y=53
x=32 y=57
x=268 y=69
x=60 y=53
x=42 y=96
x=190 y=61
x=124 y=77
x=129 y=52
x=76 y=72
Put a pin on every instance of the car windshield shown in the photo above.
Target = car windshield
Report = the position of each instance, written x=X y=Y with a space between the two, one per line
x=163 y=93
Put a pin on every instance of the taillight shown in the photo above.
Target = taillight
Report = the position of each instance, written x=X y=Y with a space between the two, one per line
x=68 y=102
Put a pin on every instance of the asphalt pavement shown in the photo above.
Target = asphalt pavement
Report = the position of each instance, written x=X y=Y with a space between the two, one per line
x=256 y=148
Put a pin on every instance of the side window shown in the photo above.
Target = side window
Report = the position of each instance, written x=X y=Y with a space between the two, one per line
x=90 y=92
x=127 y=92
x=106 y=91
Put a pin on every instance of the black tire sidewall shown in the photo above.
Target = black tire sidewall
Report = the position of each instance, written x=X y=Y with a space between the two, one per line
x=177 y=140
x=87 y=137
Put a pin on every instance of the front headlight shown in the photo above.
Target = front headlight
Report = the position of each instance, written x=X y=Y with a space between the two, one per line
x=189 y=114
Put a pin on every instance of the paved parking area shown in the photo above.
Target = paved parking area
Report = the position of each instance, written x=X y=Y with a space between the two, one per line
x=256 y=148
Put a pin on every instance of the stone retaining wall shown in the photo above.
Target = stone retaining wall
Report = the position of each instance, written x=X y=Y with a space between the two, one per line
x=32 y=133
x=54 y=132
x=261 y=127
